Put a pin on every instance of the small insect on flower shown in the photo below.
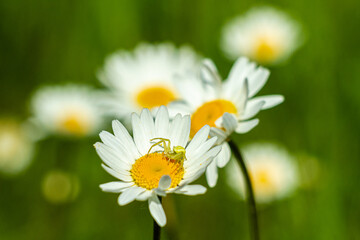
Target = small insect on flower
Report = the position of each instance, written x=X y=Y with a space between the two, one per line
x=177 y=154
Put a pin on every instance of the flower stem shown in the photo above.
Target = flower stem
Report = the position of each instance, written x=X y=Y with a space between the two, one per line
x=250 y=192
x=157 y=228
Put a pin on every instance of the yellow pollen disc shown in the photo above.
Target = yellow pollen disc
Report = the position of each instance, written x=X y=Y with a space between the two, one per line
x=74 y=124
x=155 y=96
x=266 y=51
x=263 y=182
x=147 y=170
x=209 y=112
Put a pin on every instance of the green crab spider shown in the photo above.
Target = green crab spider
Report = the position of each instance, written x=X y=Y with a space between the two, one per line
x=177 y=153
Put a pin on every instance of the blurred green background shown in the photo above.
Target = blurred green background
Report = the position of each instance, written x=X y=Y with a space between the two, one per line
x=50 y=42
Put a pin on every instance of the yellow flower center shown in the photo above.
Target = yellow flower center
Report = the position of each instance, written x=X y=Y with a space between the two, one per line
x=155 y=96
x=209 y=112
x=266 y=51
x=75 y=124
x=263 y=182
x=147 y=170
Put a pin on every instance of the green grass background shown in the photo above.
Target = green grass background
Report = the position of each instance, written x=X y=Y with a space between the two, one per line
x=50 y=42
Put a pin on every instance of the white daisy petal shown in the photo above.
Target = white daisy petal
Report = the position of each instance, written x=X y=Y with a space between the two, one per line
x=196 y=173
x=196 y=163
x=219 y=133
x=162 y=122
x=252 y=109
x=270 y=101
x=224 y=155
x=157 y=211
x=199 y=138
x=112 y=158
x=240 y=98
x=182 y=135
x=114 y=143
x=192 y=190
x=144 y=196
x=177 y=107
x=213 y=152
x=212 y=174
x=191 y=89
x=246 y=126
x=237 y=70
x=211 y=69
x=229 y=122
x=141 y=139
x=165 y=182
x=201 y=150
x=116 y=174
x=115 y=187
x=130 y=195
x=147 y=123
x=124 y=137
x=210 y=74
x=175 y=128
x=257 y=80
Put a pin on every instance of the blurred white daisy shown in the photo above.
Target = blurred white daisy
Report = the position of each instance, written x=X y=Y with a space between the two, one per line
x=263 y=34
x=16 y=149
x=272 y=170
x=157 y=160
x=144 y=78
x=70 y=110
x=226 y=106
x=60 y=187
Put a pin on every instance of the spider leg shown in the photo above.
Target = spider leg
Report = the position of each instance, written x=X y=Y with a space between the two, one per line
x=167 y=146
x=166 y=143
x=155 y=144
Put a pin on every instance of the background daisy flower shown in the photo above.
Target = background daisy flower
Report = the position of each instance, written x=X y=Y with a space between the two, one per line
x=227 y=106
x=263 y=34
x=143 y=171
x=272 y=170
x=144 y=78
x=69 y=110
x=16 y=148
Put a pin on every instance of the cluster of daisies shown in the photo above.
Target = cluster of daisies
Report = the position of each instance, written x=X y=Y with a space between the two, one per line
x=176 y=114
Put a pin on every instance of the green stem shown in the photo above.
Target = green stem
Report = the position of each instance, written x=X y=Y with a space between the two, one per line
x=157 y=228
x=250 y=192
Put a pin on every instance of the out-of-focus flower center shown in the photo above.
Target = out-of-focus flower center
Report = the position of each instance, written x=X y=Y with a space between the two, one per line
x=266 y=51
x=147 y=170
x=209 y=112
x=75 y=123
x=263 y=181
x=155 y=96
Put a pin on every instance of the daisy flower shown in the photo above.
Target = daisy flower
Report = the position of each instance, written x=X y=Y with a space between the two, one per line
x=157 y=160
x=272 y=170
x=263 y=34
x=144 y=78
x=66 y=110
x=227 y=106
x=16 y=148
